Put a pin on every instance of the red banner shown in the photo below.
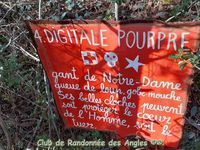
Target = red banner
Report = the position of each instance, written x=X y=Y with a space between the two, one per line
x=118 y=76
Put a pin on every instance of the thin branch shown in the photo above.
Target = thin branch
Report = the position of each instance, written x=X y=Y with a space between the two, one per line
x=196 y=67
x=8 y=12
x=39 y=11
x=27 y=99
x=54 y=124
x=47 y=86
x=27 y=53
x=4 y=3
x=8 y=138
x=29 y=85
x=31 y=44
x=7 y=44
x=35 y=131
x=172 y=17
x=116 y=12
x=18 y=36
x=193 y=65
x=182 y=11
x=48 y=94
x=193 y=123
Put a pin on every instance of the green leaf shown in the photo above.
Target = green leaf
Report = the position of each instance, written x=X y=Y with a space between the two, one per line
x=196 y=57
x=173 y=56
x=187 y=56
x=180 y=50
x=182 y=64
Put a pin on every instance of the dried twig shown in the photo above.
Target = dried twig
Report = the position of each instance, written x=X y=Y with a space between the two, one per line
x=5 y=4
x=10 y=8
x=39 y=12
x=54 y=124
x=172 y=17
x=8 y=138
x=35 y=131
x=48 y=94
x=26 y=53
x=9 y=42
x=47 y=86
x=193 y=123
x=182 y=11
x=27 y=99
x=116 y=12
x=196 y=67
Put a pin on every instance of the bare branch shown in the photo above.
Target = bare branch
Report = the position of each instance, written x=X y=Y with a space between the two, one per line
x=35 y=131
x=3 y=126
x=27 y=53
x=39 y=12
x=116 y=12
